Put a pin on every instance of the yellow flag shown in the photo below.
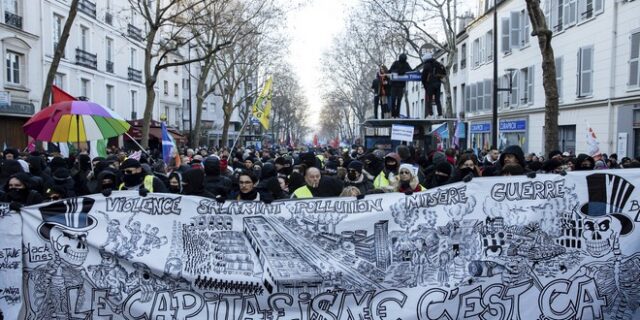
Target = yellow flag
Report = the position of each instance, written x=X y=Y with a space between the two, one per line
x=262 y=106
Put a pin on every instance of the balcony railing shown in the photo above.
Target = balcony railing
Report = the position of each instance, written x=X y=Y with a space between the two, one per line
x=108 y=18
x=135 y=75
x=87 y=7
x=134 y=33
x=86 y=59
x=109 y=66
x=13 y=19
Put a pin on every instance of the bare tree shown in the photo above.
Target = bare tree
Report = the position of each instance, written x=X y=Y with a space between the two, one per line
x=288 y=104
x=59 y=52
x=540 y=29
x=169 y=28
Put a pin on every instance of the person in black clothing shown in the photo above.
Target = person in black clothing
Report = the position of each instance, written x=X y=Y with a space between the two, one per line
x=401 y=67
x=269 y=182
x=356 y=179
x=247 y=188
x=380 y=87
x=431 y=82
x=175 y=182
x=214 y=181
x=8 y=169
x=193 y=184
x=18 y=191
x=512 y=155
x=62 y=177
x=584 y=162
x=107 y=179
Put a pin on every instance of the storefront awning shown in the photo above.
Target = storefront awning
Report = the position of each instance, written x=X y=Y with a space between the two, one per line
x=154 y=131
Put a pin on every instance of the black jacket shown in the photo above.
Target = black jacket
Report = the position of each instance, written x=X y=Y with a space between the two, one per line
x=400 y=67
x=193 y=184
x=428 y=77
x=214 y=182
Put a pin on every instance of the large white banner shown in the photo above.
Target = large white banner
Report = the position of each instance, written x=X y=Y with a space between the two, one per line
x=553 y=247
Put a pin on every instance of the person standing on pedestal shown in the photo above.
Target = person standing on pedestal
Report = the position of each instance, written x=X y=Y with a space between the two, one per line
x=380 y=87
x=432 y=75
x=400 y=67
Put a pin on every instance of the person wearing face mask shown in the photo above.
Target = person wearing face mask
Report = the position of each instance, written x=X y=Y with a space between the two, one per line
x=584 y=162
x=407 y=180
x=19 y=192
x=467 y=166
x=356 y=179
x=391 y=165
x=175 y=182
x=193 y=184
x=440 y=176
x=106 y=180
x=134 y=178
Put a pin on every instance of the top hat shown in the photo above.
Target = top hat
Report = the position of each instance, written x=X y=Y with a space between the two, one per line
x=608 y=195
x=70 y=214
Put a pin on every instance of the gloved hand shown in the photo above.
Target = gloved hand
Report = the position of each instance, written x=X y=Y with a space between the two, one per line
x=531 y=174
x=468 y=177
x=267 y=200
x=360 y=196
x=221 y=199
x=408 y=192
x=15 y=206
x=143 y=192
x=106 y=192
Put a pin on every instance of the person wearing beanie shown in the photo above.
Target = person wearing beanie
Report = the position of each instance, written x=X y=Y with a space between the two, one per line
x=407 y=180
x=107 y=179
x=133 y=178
x=356 y=178
x=11 y=154
x=441 y=175
x=214 y=181
x=193 y=184
x=391 y=165
x=330 y=168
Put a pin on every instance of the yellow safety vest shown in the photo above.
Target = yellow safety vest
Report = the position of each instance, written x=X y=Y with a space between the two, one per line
x=147 y=183
x=380 y=181
x=303 y=192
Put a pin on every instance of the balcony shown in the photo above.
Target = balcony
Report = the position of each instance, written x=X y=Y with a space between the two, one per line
x=135 y=75
x=86 y=59
x=134 y=33
x=108 y=18
x=109 y=66
x=87 y=7
x=13 y=20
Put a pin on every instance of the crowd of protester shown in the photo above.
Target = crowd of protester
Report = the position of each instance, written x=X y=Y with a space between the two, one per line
x=267 y=175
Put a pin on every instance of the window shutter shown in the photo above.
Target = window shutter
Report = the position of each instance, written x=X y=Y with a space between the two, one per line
x=480 y=96
x=598 y=6
x=526 y=33
x=514 y=91
x=515 y=29
x=505 y=35
x=559 y=77
x=586 y=84
x=488 y=89
x=634 y=72
x=530 y=84
x=466 y=99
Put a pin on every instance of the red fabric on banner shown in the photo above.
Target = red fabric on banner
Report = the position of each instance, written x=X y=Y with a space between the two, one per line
x=60 y=95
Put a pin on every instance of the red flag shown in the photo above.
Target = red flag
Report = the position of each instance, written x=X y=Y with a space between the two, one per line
x=315 y=140
x=31 y=147
x=60 y=95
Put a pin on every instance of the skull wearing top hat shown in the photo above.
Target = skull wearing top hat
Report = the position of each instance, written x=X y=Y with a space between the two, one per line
x=65 y=224
x=603 y=220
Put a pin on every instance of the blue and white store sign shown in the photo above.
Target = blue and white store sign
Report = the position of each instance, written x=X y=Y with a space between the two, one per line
x=513 y=125
x=480 y=127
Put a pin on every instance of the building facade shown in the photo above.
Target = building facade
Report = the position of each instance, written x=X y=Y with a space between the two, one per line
x=596 y=46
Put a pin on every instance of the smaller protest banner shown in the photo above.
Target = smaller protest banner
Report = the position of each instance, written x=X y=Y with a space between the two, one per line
x=402 y=132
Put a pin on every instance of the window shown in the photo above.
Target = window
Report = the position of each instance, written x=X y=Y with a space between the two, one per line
x=488 y=90
x=567 y=138
x=482 y=55
x=133 y=61
x=589 y=8
x=480 y=96
x=585 y=71
x=503 y=96
x=58 y=80
x=514 y=90
x=84 y=38
x=166 y=87
x=634 y=59
x=570 y=9
x=176 y=68
x=476 y=52
x=465 y=92
x=134 y=97
x=463 y=56
x=14 y=64
x=166 y=113
x=559 y=73
x=557 y=15
x=175 y=89
x=472 y=97
x=525 y=32
x=57 y=29
x=506 y=47
x=515 y=30
x=526 y=89
x=109 y=49
x=85 y=87
x=204 y=106
x=488 y=43
x=110 y=97
x=455 y=99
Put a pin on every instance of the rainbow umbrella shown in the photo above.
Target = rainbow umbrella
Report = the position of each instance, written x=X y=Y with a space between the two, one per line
x=75 y=121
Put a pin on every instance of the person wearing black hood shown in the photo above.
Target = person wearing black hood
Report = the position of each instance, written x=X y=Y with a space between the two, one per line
x=512 y=155
x=193 y=184
x=431 y=81
x=247 y=190
x=391 y=165
x=8 y=169
x=214 y=181
x=269 y=182
x=441 y=175
x=584 y=162
x=400 y=67
x=39 y=177
x=107 y=179
x=62 y=177
x=134 y=178
x=175 y=182
x=283 y=166
x=11 y=154
x=18 y=191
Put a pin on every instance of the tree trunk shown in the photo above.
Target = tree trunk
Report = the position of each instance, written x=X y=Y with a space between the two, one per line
x=225 y=126
x=539 y=28
x=150 y=79
x=147 y=116
x=57 y=55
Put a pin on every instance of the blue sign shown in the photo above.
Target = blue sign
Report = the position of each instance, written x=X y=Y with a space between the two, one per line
x=480 y=127
x=409 y=76
x=513 y=125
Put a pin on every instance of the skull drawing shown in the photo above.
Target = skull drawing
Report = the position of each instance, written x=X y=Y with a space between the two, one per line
x=70 y=246
x=599 y=235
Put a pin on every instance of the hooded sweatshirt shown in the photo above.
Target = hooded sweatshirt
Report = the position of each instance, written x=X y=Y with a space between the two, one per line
x=26 y=196
x=193 y=180
x=214 y=181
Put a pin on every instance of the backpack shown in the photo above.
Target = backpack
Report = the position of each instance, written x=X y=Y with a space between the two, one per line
x=438 y=70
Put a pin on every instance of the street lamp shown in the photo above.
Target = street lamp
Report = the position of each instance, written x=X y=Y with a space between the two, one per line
x=494 y=113
x=190 y=97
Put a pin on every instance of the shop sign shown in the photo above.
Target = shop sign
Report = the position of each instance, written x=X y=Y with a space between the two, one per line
x=513 y=125
x=480 y=127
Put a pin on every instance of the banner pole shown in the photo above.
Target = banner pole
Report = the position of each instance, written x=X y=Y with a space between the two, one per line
x=136 y=142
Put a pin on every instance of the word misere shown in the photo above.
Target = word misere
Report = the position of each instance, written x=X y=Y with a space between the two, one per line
x=441 y=197
x=528 y=190
x=149 y=205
